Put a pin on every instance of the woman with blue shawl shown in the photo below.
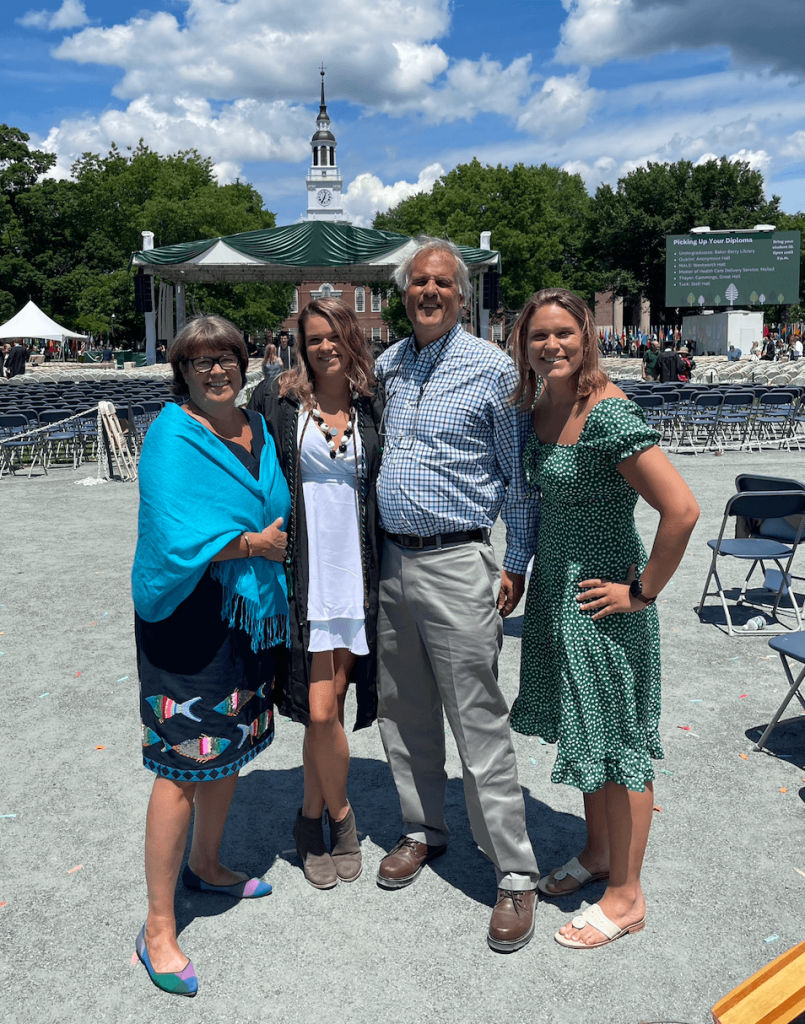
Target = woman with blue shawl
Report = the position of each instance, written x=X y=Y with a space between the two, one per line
x=211 y=606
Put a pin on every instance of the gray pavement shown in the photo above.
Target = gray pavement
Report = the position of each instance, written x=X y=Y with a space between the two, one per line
x=720 y=874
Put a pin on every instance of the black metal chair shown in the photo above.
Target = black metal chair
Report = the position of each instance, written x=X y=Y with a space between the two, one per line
x=792 y=646
x=757 y=550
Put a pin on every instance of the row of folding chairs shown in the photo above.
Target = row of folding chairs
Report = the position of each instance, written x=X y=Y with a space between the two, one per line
x=69 y=437
x=725 y=420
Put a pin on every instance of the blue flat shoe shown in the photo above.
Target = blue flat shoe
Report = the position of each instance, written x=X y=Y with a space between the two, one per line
x=181 y=983
x=251 y=889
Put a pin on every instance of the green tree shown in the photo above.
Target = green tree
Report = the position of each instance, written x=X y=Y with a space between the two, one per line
x=67 y=244
x=628 y=224
x=537 y=216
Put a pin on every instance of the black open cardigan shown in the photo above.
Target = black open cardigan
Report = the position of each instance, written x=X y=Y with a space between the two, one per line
x=281 y=416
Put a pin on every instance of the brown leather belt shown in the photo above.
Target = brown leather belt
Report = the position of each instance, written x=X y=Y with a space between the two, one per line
x=440 y=540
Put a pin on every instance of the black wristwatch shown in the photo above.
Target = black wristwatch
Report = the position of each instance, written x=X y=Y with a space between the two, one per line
x=636 y=590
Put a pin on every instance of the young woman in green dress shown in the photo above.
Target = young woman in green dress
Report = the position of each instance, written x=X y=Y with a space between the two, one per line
x=590 y=672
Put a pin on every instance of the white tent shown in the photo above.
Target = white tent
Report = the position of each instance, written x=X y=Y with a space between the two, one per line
x=31 y=322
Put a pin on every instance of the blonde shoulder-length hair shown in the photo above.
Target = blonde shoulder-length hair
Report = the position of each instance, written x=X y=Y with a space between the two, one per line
x=589 y=376
x=299 y=382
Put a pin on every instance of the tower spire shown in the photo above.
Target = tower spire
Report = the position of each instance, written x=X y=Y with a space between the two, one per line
x=323 y=108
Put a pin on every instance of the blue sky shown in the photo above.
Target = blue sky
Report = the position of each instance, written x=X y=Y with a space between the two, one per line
x=413 y=86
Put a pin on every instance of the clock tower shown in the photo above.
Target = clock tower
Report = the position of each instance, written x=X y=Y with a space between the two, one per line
x=324 y=181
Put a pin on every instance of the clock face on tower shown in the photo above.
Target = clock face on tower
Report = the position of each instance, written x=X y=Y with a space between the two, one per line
x=324 y=197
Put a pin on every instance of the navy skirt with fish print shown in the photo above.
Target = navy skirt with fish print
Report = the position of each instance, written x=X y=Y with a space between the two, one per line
x=205 y=696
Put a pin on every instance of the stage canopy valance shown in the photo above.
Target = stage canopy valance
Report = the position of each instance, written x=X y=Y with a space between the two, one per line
x=296 y=253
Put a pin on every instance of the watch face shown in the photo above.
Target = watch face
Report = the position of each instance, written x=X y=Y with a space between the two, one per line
x=324 y=197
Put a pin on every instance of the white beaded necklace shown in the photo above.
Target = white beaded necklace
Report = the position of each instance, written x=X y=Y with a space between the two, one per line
x=330 y=432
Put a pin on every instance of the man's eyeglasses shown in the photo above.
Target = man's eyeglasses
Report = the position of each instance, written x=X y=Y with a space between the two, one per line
x=205 y=363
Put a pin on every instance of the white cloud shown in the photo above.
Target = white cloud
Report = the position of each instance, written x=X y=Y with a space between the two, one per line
x=596 y=31
x=561 y=107
x=758 y=159
x=367 y=195
x=240 y=131
x=794 y=145
x=71 y=14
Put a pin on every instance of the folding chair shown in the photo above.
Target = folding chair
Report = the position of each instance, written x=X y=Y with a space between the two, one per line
x=758 y=550
x=773 y=420
x=735 y=419
x=792 y=645
x=652 y=405
x=700 y=421
x=11 y=426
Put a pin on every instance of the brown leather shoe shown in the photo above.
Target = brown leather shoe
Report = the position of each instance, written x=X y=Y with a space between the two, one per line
x=512 y=923
x=402 y=865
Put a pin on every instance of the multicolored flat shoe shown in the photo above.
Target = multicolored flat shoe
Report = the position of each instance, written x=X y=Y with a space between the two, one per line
x=181 y=983
x=251 y=889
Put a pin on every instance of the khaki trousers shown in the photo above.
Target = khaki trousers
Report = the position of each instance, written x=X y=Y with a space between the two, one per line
x=439 y=639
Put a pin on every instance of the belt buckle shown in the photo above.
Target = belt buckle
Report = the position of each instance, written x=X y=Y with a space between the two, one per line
x=419 y=545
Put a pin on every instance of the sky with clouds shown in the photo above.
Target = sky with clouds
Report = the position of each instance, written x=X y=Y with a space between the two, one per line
x=413 y=86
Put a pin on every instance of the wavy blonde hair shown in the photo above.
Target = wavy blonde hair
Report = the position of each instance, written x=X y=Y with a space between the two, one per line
x=300 y=381
x=588 y=377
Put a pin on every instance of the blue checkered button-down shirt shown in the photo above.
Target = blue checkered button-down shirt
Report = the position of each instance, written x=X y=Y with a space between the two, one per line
x=453 y=451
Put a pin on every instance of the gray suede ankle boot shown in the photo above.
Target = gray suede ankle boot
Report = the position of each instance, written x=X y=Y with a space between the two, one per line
x=316 y=861
x=345 y=848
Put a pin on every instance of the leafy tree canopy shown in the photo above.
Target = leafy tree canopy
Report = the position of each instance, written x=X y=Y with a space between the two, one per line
x=536 y=215
x=67 y=244
x=628 y=224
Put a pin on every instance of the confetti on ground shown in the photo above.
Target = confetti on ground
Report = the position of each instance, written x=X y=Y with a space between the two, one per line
x=105 y=614
x=657 y=809
x=533 y=760
x=741 y=697
x=767 y=657
x=76 y=868
x=77 y=674
x=783 y=789
x=684 y=728
x=543 y=743
x=92 y=623
x=8 y=815
x=744 y=756
x=800 y=872
x=123 y=679
x=698 y=700
x=666 y=772
x=3 y=904
x=134 y=959
x=41 y=695
x=771 y=938
x=100 y=748
x=738 y=658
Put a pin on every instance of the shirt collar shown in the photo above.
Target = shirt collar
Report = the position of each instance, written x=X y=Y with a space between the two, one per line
x=435 y=346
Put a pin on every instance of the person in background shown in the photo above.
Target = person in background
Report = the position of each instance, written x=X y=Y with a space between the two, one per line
x=286 y=353
x=272 y=364
x=210 y=598
x=16 y=359
x=688 y=363
x=590 y=665
x=650 y=360
x=669 y=364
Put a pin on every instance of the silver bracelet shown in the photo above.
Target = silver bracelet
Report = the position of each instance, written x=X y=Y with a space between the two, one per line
x=248 y=545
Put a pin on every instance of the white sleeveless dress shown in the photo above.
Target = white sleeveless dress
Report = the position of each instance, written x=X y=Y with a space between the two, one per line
x=335 y=593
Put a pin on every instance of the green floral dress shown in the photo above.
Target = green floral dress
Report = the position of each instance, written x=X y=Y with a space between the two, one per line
x=592 y=686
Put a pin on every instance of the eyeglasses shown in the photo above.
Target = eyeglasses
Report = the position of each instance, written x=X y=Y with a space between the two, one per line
x=205 y=363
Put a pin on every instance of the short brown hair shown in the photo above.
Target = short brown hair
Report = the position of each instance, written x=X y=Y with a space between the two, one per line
x=300 y=380
x=588 y=378
x=200 y=335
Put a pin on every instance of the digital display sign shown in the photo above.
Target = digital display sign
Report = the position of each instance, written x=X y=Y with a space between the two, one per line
x=740 y=268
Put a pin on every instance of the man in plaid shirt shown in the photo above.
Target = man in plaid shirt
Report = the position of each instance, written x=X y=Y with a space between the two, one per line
x=452 y=461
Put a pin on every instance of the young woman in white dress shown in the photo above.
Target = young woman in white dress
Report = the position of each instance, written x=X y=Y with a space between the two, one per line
x=323 y=415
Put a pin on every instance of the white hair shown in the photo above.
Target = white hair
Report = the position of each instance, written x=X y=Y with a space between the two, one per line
x=426 y=243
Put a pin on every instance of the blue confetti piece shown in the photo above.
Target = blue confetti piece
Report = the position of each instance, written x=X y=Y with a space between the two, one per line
x=665 y=771
x=8 y=815
x=697 y=701
x=542 y=741
x=123 y=679
x=735 y=659
x=41 y=695
x=771 y=938
x=533 y=760
x=105 y=614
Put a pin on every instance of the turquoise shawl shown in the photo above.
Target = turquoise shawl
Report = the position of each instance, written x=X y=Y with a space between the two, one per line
x=195 y=497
